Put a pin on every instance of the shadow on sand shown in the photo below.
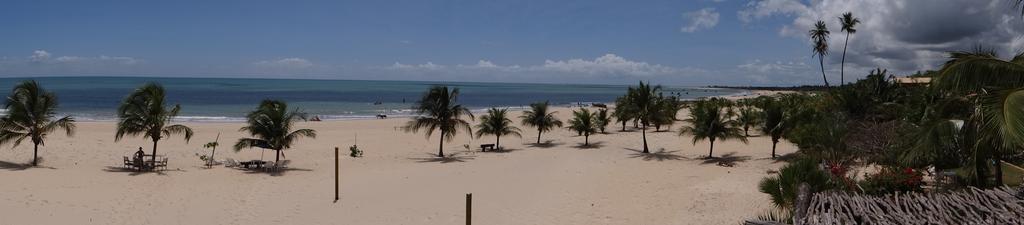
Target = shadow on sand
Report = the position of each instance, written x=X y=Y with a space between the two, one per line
x=5 y=165
x=727 y=160
x=593 y=145
x=660 y=155
x=451 y=158
x=275 y=173
x=545 y=144
x=502 y=150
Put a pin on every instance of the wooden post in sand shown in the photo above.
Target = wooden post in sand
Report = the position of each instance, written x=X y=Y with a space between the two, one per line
x=469 y=209
x=335 y=174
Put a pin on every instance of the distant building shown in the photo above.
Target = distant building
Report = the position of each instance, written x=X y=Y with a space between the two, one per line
x=911 y=81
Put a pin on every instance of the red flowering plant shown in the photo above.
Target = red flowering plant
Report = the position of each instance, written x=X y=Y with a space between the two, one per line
x=891 y=180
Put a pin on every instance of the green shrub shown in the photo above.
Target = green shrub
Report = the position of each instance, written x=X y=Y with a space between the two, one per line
x=892 y=180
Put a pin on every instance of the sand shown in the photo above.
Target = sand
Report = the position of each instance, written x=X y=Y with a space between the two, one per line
x=398 y=181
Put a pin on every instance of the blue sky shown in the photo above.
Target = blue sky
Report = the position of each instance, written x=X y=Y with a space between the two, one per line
x=697 y=42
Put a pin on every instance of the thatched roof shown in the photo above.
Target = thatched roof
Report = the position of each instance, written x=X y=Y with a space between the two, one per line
x=970 y=206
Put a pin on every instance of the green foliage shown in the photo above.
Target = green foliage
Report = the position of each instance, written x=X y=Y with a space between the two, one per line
x=603 y=119
x=144 y=112
x=439 y=110
x=819 y=37
x=711 y=119
x=747 y=115
x=585 y=123
x=893 y=180
x=32 y=114
x=497 y=123
x=270 y=126
x=539 y=117
x=645 y=104
x=782 y=188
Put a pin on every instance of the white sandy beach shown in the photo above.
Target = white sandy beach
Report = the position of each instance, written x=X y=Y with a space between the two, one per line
x=399 y=181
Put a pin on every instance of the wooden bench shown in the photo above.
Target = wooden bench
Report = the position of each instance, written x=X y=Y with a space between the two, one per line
x=484 y=147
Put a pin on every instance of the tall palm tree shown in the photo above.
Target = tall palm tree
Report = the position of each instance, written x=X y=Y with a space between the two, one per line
x=994 y=86
x=31 y=111
x=710 y=120
x=603 y=119
x=497 y=123
x=270 y=126
x=144 y=112
x=643 y=101
x=585 y=123
x=439 y=110
x=849 y=26
x=539 y=117
x=819 y=39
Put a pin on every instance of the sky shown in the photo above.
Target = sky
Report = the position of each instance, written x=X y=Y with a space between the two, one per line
x=681 y=42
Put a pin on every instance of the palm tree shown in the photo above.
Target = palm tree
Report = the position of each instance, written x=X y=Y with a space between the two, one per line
x=585 y=123
x=710 y=120
x=774 y=124
x=439 y=109
x=603 y=119
x=623 y=113
x=539 y=117
x=270 y=126
x=667 y=108
x=849 y=26
x=819 y=37
x=996 y=124
x=747 y=116
x=31 y=111
x=496 y=123
x=643 y=103
x=144 y=112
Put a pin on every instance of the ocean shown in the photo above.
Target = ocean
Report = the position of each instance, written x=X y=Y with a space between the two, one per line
x=228 y=99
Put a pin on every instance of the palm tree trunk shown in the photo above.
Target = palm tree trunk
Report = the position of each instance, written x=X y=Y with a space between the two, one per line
x=623 y=126
x=643 y=131
x=211 y=155
x=497 y=142
x=440 y=146
x=999 y=169
x=773 y=147
x=586 y=140
x=278 y=157
x=538 y=135
x=842 y=65
x=154 y=151
x=711 y=149
x=821 y=61
x=35 y=153
x=746 y=130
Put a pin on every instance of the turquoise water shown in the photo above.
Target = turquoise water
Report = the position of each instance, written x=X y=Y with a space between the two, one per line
x=228 y=99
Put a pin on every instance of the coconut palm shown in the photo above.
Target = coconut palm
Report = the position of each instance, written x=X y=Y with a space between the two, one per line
x=747 y=116
x=774 y=121
x=603 y=119
x=643 y=102
x=849 y=26
x=667 y=108
x=710 y=120
x=497 y=123
x=439 y=110
x=994 y=86
x=539 y=117
x=623 y=111
x=783 y=187
x=270 y=127
x=819 y=39
x=585 y=123
x=144 y=112
x=31 y=113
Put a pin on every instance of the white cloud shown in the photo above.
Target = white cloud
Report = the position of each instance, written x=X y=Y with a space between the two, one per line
x=425 y=66
x=705 y=18
x=902 y=36
x=285 y=63
x=39 y=56
x=607 y=64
